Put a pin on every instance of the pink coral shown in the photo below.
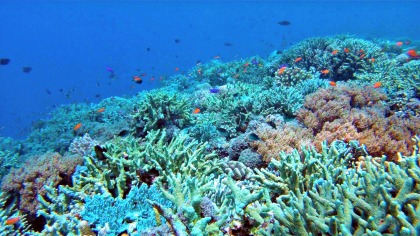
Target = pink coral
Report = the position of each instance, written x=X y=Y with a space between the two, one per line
x=28 y=181
x=358 y=113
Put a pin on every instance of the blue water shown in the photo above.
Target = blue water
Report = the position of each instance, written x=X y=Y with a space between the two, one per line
x=69 y=44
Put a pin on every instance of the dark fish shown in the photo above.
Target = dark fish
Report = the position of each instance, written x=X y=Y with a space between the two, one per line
x=61 y=90
x=48 y=91
x=253 y=137
x=147 y=49
x=198 y=62
x=279 y=52
x=177 y=40
x=97 y=95
x=4 y=61
x=227 y=44
x=26 y=69
x=284 y=22
x=254 y=61
x=214 y=90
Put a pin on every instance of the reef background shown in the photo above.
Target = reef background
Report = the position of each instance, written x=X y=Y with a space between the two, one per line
x=68 y=44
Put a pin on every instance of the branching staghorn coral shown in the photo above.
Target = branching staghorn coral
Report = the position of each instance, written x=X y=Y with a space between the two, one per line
x=327 y=194
x=161 y=109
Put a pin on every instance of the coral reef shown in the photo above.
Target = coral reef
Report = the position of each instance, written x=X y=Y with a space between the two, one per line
x=28 y=181
x=358 y=113
x=317 y=140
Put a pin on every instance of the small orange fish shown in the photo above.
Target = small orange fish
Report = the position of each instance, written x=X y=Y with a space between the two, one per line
x=361 y=51
x=153 y=78
x=332 y=83
x=334 y=52
x=246 y=64
x=346 y=50
x=372 y=60
x=196 y=111
x=177 y=69
x=281 y=70
x=12 y=221
x=199 y=71
x=362 y=56
x=216 y=57
x=102 y=109
x=137 y=79
x=377 y=85
x=161 y=78
x=325 y=72
x=298 y=59
x=399 y=44
x=407 y=42
x=76 y=127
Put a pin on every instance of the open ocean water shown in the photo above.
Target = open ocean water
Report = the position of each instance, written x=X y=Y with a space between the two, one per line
x=209 y=117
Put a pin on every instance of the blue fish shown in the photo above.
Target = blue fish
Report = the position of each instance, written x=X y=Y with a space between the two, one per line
x=254 y=61
x=214 y=90
x=283 y=65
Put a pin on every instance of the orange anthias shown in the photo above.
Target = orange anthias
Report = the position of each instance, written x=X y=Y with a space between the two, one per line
x=196 y=110
x=76 y=127
x=281 y=70
x=332 y=83
x=377 y=85
x=298 y=59
x=100 y=110
x=12 y=221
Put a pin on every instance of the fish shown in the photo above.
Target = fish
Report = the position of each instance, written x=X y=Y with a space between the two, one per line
x=254 y=61
x=153 y=78
x=196 y=111
x=362 y=56
x=407 y=42
x=214 y=90
x=77 y=127
x=177 y=69
x=199 y=71
x=372 y=60
x=281 y=70
x=12 y=221
x=284 y=22
x=377 y=85
x=216 y=57
x=346 y=50
x=48 y=91
x=147 y=49
x=100 y=110
x=298 y=59
x=246 y=64
x=137 y=79
x=109 y=69
x=413 y=54
x=334 y=52
x=4 y=61
x=325 y=72
x=26 y=69
x=227 y=44
x=177 y=40
x=332 y=83
x=399 y=44
x=283 y=65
